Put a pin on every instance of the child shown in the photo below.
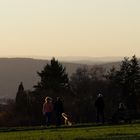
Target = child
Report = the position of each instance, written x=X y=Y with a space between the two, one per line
x=47 y=110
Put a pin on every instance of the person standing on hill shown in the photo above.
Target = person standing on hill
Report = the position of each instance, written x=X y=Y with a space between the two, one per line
x=58 y=108
x=47 y=110
x=99 y=104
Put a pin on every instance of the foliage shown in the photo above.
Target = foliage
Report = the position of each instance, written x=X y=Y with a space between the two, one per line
x=53 y=82
x=78 y=92
x=21 y=100
x=86 y=84
x=53 y=77
x=128 y=79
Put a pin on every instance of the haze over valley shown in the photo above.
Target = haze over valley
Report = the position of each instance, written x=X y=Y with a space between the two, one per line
x=15 y=70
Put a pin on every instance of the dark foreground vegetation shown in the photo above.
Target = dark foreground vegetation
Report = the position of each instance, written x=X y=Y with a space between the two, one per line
x=79 y=92
x=91 y=132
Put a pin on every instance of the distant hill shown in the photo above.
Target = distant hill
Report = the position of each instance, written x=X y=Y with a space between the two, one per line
x=87 y=60
x=15 y=70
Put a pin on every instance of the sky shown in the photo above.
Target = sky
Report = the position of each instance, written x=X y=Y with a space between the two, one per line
x=94 y=28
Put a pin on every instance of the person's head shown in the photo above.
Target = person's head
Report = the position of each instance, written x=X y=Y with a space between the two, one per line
x=121 y=105
x=47 y=99
x=58 y=99
x=99 y=95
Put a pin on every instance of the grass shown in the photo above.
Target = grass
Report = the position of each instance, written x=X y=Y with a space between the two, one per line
x=87 y=132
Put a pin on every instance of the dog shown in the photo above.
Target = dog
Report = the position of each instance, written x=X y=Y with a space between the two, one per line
x=67 y=119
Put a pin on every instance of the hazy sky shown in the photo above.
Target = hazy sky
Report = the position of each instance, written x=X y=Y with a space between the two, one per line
x=69 y=28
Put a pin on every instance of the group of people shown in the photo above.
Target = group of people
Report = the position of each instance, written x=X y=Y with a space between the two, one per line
x=49 y=107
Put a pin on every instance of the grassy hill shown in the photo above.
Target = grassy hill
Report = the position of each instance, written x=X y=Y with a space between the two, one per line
x=108 y=132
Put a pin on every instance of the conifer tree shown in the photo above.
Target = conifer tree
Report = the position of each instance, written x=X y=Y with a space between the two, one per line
x=135 y=75
x=53 y=77
x=134 y=83
x=21 y=100
x=128 y=79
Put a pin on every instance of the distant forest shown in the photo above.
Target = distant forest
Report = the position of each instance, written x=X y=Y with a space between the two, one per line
x=78 y=91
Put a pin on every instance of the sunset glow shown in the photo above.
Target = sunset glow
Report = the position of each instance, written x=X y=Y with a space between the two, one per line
x=69 y=28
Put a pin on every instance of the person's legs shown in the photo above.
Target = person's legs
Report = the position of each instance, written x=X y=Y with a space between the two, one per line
x=48 y=118
x=97 y=116
x=102 y=115
x=58 y=119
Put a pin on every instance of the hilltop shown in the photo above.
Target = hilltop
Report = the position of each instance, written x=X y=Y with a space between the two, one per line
x=15 y=70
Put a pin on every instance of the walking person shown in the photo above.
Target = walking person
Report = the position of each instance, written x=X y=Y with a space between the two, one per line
x=58 y=108
x=47 y=110
x=99 y=104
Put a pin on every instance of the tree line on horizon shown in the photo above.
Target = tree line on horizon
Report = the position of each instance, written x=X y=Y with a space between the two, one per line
x=79 y=92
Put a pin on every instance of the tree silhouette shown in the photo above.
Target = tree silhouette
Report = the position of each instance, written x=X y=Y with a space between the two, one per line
x=134 y=82
x=53 y=77
x=21 y=100
x=128 y=79
x=135 y=75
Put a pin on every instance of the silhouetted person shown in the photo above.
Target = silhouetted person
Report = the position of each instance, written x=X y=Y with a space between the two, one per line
x=121 y=107
x=99 y=104
x=58 y=107
x=121 y=111
x=47 y=110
